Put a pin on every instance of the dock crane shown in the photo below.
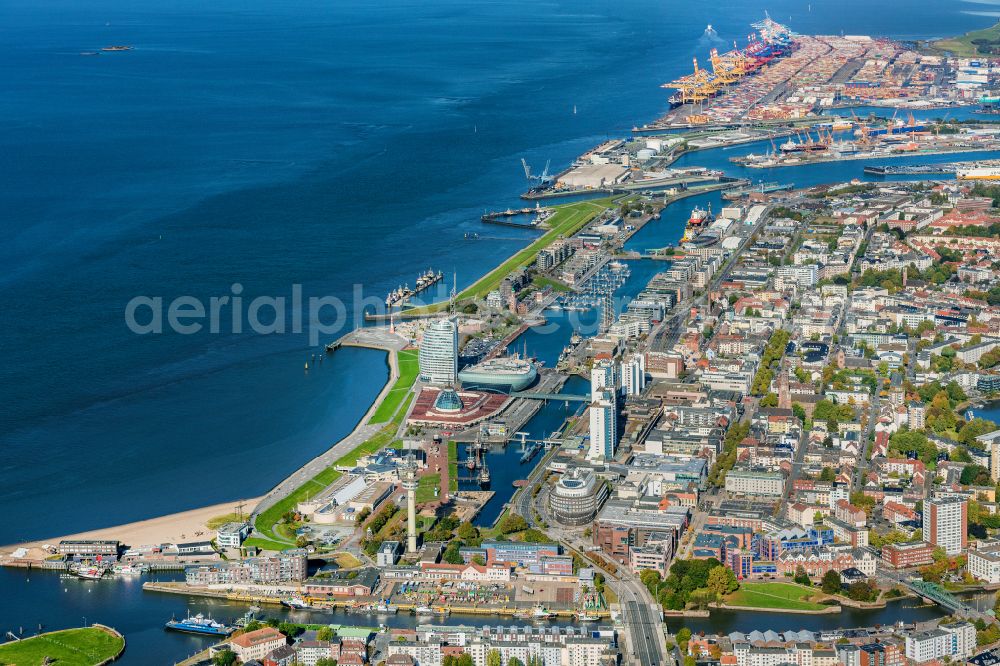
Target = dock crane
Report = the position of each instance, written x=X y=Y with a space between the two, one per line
x=545 y=178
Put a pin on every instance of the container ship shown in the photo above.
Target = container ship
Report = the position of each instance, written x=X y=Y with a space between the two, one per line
x=504 y=373
x=199 y=624
x=978 y=173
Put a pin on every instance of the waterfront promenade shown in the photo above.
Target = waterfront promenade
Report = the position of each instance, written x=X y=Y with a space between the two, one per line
x=363 y=432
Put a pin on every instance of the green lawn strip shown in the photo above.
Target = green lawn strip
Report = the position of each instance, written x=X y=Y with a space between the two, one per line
x=567 y=220
x=403 y=409
x=264 y=544
x=408 y=369
x=71 y=647
x=452 y=466
x=773 y=595
x=426 y=486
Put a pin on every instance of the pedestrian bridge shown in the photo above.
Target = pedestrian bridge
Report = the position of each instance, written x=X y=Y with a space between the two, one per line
x=939 y=595
x=567 y=397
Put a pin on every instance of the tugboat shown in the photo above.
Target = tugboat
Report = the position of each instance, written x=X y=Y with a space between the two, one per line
x=199 y=624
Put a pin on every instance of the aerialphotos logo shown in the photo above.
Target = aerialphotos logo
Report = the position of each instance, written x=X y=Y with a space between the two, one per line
x=319 y=316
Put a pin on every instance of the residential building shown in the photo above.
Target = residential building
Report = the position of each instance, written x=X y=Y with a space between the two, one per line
x=755 y=482
x=984 y=561
x=257 y=644
x=905 y=555
x=946 y=523
x=603 y=425
x=232 y=535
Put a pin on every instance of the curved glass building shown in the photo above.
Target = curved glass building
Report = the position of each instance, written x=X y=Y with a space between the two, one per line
x=438 y=356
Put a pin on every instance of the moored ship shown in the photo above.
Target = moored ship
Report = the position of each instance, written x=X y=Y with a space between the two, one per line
x=295 y=603
x=700 y=218
x=199 y=624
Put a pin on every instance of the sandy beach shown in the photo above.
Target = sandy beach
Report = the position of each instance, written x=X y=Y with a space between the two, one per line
x=183 y=526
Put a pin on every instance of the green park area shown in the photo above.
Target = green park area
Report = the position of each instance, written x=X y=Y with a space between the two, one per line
x=273 y=528
x=408 y=369
x=426 y=486
x=566 y=221
x=71 y=647
x=773 y=595
x=972 y=44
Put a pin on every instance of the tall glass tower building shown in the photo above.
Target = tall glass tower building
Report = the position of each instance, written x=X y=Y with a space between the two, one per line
x=439 y=353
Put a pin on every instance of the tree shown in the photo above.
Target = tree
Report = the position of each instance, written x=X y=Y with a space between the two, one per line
x=326 y=661
x=494 y=658
x=290 y=629
x=828 y=474
x=479 y=559
x=769 y=400
x=225 y=658
x=452 y=554
x=863 y=591
x=831 y=582
x=513 y=523
x=801 y=577
x=975 y=475
x=324 y=634
x=722 y=581
x=468 y=533
x=799 y=411
x=683 y=636
x=463 y=659
x=514 y=661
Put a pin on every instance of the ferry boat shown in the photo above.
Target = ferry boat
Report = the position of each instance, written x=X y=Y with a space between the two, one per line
x=295 y=603
x=199 y=624
x=423 y=610
x=129 y=569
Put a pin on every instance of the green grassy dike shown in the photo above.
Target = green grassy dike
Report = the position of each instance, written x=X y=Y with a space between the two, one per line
x=963 y=46
x=567 y=220
x=71 y=647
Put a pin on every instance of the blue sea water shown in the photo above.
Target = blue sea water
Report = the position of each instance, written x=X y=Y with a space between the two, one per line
x=272 y=144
